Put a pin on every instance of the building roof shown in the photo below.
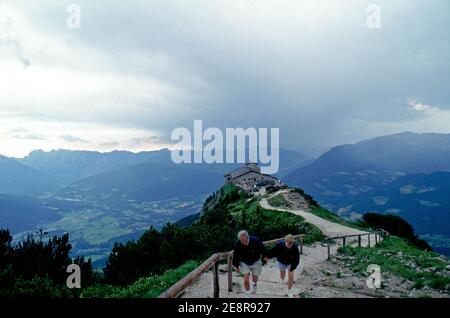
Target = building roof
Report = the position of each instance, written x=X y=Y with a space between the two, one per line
x=249 y=167
x=265 y=175
x=238 y=172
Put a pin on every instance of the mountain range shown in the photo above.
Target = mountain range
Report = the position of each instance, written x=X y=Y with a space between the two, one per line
x=405 y=174
x=99 y=198
x=18 y=178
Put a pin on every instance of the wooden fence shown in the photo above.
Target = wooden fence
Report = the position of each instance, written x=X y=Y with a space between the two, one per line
x=378 y=236
x=213 y=261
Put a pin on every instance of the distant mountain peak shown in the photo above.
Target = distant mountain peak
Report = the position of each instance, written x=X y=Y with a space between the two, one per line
x=406 y=135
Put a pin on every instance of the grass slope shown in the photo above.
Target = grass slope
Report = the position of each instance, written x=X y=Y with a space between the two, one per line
x=145 y=287
x=396 y=256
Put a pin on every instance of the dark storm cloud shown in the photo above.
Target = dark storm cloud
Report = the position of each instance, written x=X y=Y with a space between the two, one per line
x=311 y=68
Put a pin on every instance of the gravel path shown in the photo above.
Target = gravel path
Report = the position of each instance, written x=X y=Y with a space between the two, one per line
x=327 y=227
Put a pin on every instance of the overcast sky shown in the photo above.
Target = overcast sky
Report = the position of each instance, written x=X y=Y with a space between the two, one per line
x=136 y=70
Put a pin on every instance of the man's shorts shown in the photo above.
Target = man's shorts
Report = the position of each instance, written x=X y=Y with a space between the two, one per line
x=283 y=267
x=255 y=268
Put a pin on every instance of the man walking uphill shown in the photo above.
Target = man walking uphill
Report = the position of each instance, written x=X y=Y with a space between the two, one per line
x=288 y=258
x=247 y=259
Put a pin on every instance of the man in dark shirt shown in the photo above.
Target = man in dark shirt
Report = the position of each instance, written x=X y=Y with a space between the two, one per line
x=288 y=258
x=247 y=259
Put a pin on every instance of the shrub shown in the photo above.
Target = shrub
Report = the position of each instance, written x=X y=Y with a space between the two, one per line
x=36 y=267
x=145 y=287
x=37 y=287
x=397 y=226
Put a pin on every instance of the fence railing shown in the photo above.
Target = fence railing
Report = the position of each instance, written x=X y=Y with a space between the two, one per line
x=378 y=236
x=213 y=261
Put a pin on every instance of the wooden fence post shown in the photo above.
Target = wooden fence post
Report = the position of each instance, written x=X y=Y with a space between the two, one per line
x=328 y=249
x=359 y=240
x=216 y=280
x=368 y=240
x=301 y=245
x=343 y=241
x=230 y=274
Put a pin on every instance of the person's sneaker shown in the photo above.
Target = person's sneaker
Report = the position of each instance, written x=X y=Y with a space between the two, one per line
x=282 y=284
x=247 y=294
x=255 y=287
x=289 y=294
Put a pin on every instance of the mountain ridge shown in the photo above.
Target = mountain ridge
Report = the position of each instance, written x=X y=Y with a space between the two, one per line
x=346 y=178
